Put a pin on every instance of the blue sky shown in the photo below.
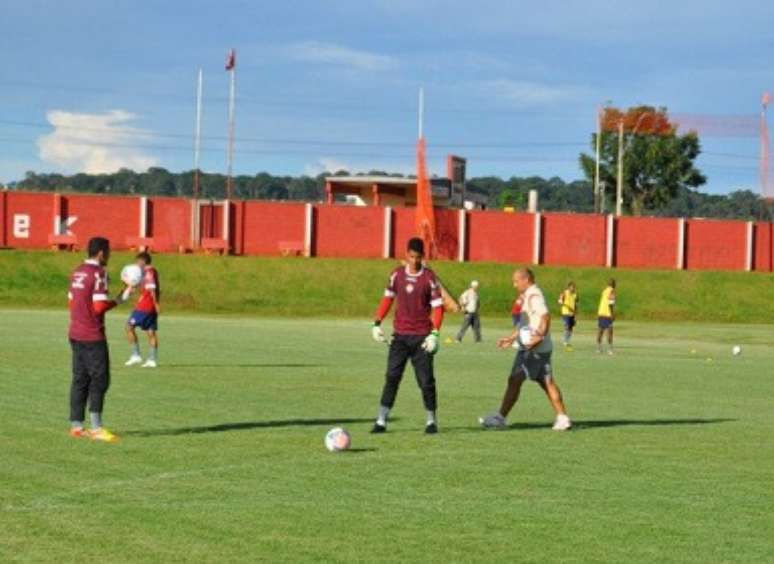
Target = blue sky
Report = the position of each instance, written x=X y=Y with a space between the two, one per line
x=512 y=85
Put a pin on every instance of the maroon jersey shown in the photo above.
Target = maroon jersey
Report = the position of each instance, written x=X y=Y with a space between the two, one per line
x=88 y=302
x=150 y=286
x=416 y=294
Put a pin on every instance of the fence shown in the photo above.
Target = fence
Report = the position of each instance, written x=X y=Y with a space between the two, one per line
x=36 y=220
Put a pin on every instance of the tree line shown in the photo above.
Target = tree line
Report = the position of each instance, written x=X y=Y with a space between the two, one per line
x=554 y=194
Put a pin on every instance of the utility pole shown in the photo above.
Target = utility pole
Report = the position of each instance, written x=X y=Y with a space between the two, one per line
x=619 y=187
x=597 y=205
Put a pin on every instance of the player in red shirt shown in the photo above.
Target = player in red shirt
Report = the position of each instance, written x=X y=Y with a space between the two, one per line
x=145 y=314
x=88 y=297
x=417 y=324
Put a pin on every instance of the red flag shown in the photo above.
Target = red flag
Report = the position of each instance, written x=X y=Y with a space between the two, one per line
x=425 y=214
x=231 y=59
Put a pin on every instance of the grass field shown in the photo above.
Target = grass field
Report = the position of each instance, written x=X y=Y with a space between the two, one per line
x=314 y=287
x=222 y=457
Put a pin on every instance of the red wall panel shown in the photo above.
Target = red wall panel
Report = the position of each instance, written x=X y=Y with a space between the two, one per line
x=500 y=237
x=646 y=242
x=763 y=257
x=32 y=214
x=715 y=245
x=3 y=199
x=574 y=239
x=269 y=224
x=116 y=218
x=169 y=224
x=349 y=231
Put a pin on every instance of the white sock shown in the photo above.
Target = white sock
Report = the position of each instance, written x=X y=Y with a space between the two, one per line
x=383 y=413
x=430 y=417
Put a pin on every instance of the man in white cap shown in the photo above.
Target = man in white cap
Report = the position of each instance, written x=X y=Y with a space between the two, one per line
x=471 y=303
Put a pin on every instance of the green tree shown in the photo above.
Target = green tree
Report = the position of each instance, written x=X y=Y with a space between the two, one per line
x=657 y=161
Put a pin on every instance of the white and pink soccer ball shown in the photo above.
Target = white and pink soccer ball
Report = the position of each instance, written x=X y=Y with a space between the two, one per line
x=131 y=275
x=337 y=439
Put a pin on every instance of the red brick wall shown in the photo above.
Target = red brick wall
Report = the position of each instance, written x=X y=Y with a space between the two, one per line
x=39 y=209
x=763 y=259
x=715 y=245
x=348 y=231
x=500 y=237
x=574 y=239
x=269 y=224
x=645 y=242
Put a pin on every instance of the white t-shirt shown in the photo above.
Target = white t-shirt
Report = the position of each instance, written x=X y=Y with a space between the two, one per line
x=534 y=308
x=469 y=300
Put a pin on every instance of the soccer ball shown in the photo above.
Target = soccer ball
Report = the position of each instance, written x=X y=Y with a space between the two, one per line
x=737 y=350
x=337 y=440
x=131 y=275
x=525 y=338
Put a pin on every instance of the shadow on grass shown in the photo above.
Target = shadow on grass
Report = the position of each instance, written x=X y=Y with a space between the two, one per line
x=243 y=426
x=256 y=365
x=584 y=425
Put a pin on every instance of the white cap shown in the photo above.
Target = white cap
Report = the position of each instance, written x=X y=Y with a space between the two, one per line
x=474 y=284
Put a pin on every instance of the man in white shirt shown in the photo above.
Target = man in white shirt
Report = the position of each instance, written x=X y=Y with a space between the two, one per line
x=533 y=359
x=471 y=303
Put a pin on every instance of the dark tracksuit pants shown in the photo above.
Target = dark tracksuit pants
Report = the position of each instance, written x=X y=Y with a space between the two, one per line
x=91 y=377
x=403 y=348
x=471 y=320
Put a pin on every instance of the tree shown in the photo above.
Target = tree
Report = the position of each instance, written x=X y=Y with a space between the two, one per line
x=657 y=163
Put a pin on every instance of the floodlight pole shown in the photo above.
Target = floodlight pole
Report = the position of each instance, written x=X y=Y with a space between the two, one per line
x=619 y=183
x=231 y=104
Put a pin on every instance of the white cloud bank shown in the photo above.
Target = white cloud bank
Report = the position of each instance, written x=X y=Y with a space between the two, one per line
x=333 y=54
x=94 y=143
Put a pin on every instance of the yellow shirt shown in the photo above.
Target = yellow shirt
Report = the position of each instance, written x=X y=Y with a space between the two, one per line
x=606 y=302
x=569 y=301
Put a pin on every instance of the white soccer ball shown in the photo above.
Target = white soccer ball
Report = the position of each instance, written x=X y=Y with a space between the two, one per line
x=131 y=275
x=737 y=350
x=525 y=338
x=337 y=439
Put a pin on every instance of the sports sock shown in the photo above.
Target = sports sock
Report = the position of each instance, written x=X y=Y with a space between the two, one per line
x=154 y=353
x=430 y=417
x=383 y=413
x=76 y=424
x=136 y=349
x=96 y=420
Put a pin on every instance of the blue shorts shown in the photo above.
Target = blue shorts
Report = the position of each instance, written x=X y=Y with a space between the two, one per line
x=569 y=321
x=145 y=320
x=605 y=322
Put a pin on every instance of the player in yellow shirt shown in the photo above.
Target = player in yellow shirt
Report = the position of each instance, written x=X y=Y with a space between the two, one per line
x=606 y=316
x=569 y=300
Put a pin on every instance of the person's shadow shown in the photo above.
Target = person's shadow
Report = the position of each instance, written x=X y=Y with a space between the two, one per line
x=244 y=426
x=591 y=424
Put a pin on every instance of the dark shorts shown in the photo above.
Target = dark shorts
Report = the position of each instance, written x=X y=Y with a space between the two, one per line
x=605 y=322
x=569 y=321
x=516 y=318
x=145 y=320
x=535 y=366
x=91 y=377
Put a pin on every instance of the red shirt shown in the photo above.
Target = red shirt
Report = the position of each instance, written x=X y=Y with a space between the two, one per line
x=416 y=294
x=88 y=286
x=150 y=285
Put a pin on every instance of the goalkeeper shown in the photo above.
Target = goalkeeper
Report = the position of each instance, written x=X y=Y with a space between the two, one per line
x=418 y=318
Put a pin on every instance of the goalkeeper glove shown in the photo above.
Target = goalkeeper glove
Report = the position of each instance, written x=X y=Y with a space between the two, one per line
x=124 y=296
x=431 y=343
x=377 y=333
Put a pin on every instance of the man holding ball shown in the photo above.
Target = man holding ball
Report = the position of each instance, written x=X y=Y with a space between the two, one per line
x=533 y=359
x=145 y=314
x=417 y=322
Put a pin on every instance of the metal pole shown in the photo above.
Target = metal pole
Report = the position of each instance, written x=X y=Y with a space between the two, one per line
x=231 y=103
x=198 y=135
x=597 y=206
x=619 y=187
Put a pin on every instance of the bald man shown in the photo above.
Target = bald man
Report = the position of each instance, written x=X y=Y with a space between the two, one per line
x=533 y=359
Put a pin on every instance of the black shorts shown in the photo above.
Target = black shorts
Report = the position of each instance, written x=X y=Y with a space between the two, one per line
x=535 y=366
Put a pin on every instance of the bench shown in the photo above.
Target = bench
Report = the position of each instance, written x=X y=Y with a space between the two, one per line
x=291 y=248
x=66 y=242
x=216 y=245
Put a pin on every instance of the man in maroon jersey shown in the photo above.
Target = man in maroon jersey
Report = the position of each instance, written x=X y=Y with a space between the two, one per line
x=89 y=301
x=417 y=324
x=145 y=314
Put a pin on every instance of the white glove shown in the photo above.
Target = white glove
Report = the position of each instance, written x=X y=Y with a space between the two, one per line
x=124 y=296
x=378 y=334
x=430 y=345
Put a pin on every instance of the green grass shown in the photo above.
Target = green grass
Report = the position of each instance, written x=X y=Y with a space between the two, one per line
x=222 y=457
x=352 y=288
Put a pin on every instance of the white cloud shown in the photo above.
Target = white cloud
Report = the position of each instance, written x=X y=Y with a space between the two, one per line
x=524 y=93
x=405 y=167
x=94 y=143
x=339 y=55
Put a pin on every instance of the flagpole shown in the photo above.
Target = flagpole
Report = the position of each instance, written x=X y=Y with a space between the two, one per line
x=231 y=104
x=198 y=135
